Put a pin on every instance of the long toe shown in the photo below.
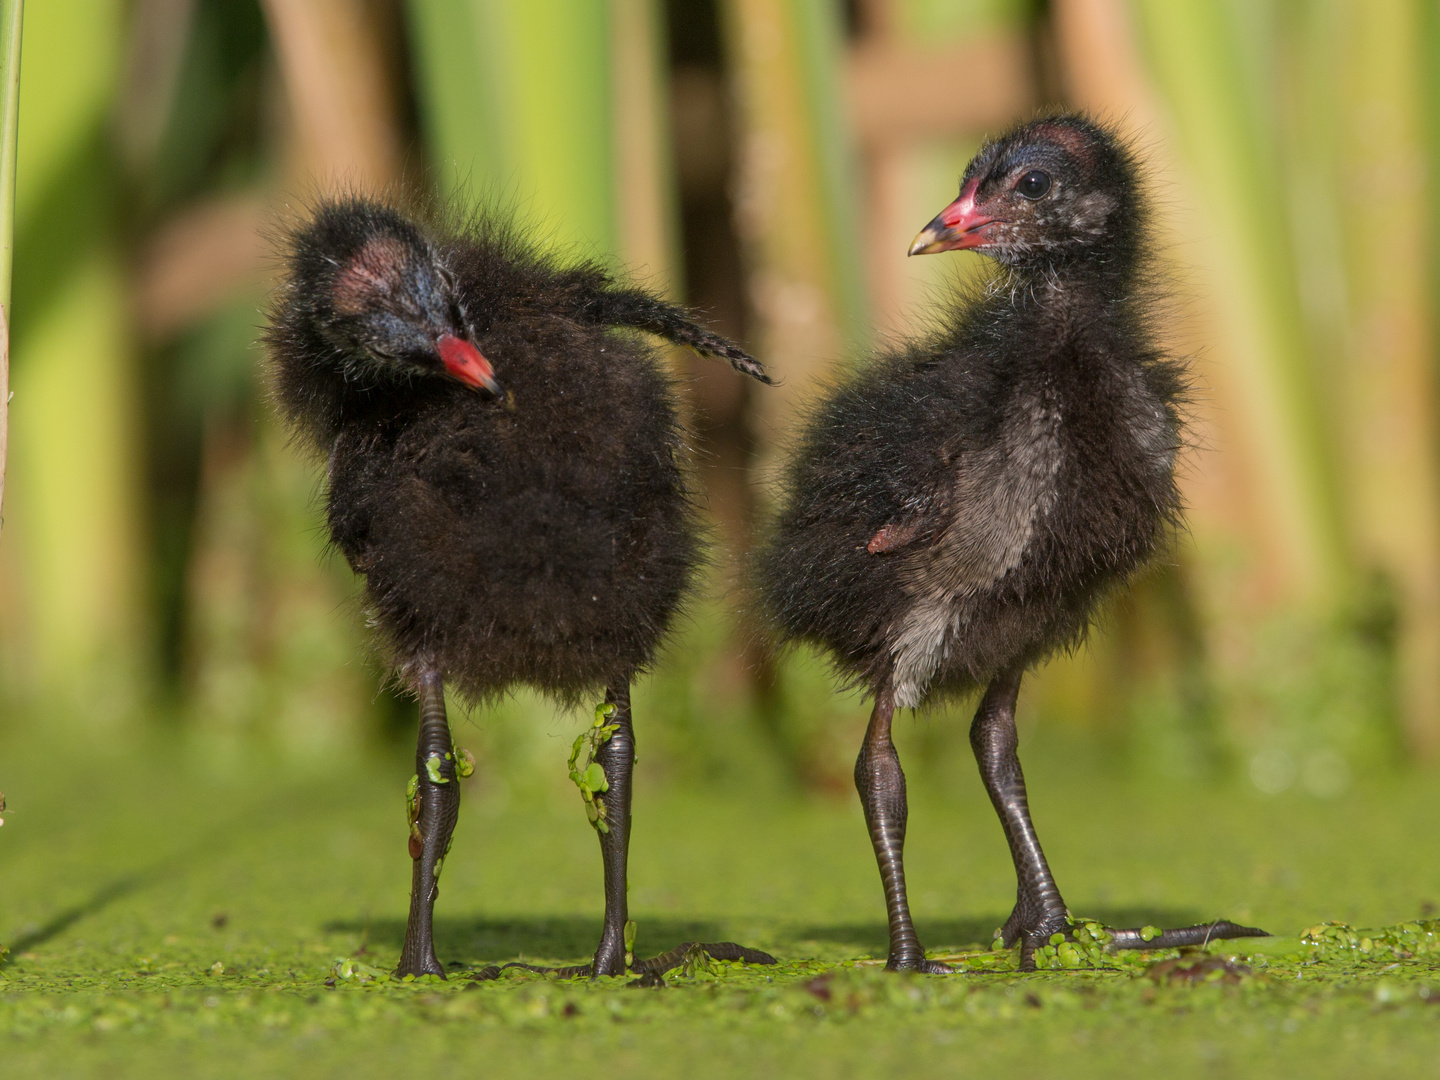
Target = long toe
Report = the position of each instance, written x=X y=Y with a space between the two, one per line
x=494 y=971
x=701 y=953
x=1146 y=937
x=924 y=967
x=1035 y=934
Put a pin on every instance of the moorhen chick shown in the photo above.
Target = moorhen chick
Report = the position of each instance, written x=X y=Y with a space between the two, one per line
x=505 y=472
x=955 y=510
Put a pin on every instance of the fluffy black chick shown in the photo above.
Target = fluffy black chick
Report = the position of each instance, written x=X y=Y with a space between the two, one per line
x=504 y=469
x=956 y=509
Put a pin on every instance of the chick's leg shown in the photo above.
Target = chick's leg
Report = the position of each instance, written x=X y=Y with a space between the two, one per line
x=617 y=756
x=435 y=805
x=1039 y=909
x=881 y=784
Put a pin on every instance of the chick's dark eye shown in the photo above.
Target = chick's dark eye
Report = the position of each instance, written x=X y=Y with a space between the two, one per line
x=1034 y=184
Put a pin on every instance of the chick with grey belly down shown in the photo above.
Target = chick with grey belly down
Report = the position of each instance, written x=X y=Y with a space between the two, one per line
x=954 y=512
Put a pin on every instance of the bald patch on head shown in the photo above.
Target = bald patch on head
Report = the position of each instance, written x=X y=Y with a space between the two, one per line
x=375 y=272
x=1076 y=142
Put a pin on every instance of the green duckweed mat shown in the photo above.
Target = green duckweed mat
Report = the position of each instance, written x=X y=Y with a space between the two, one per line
x=194 y=910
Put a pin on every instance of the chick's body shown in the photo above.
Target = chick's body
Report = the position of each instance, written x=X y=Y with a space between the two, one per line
x=959 y=506
x=542 y=538
x=547 y=541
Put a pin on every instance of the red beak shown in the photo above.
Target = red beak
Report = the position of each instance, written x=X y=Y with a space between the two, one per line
x=464 y=362
x=958 y=227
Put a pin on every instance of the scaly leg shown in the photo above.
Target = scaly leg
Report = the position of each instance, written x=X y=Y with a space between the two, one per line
x=437 y=806
x=881 y=783
x=616 y=756
x=1039 y=909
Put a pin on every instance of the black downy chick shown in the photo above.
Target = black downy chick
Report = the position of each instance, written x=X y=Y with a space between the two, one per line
x=956 y=510
x=505 y=471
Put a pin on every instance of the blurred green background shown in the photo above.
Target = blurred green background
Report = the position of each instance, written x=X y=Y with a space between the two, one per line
x=162 y=563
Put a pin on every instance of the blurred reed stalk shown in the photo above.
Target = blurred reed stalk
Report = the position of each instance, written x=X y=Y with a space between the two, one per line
x=74 y=561
x=557 y=110
x=12 y=15
x=794 y=191
x=516 y=103
x=270 y=651
x=645 y=191
x=1272 y=562
x=1387 y=385
x=337 y=80
x=1197 y=60
x=1314 y=494
x=925 y=83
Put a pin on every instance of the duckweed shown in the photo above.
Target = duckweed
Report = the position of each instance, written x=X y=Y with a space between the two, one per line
x=255 y=934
